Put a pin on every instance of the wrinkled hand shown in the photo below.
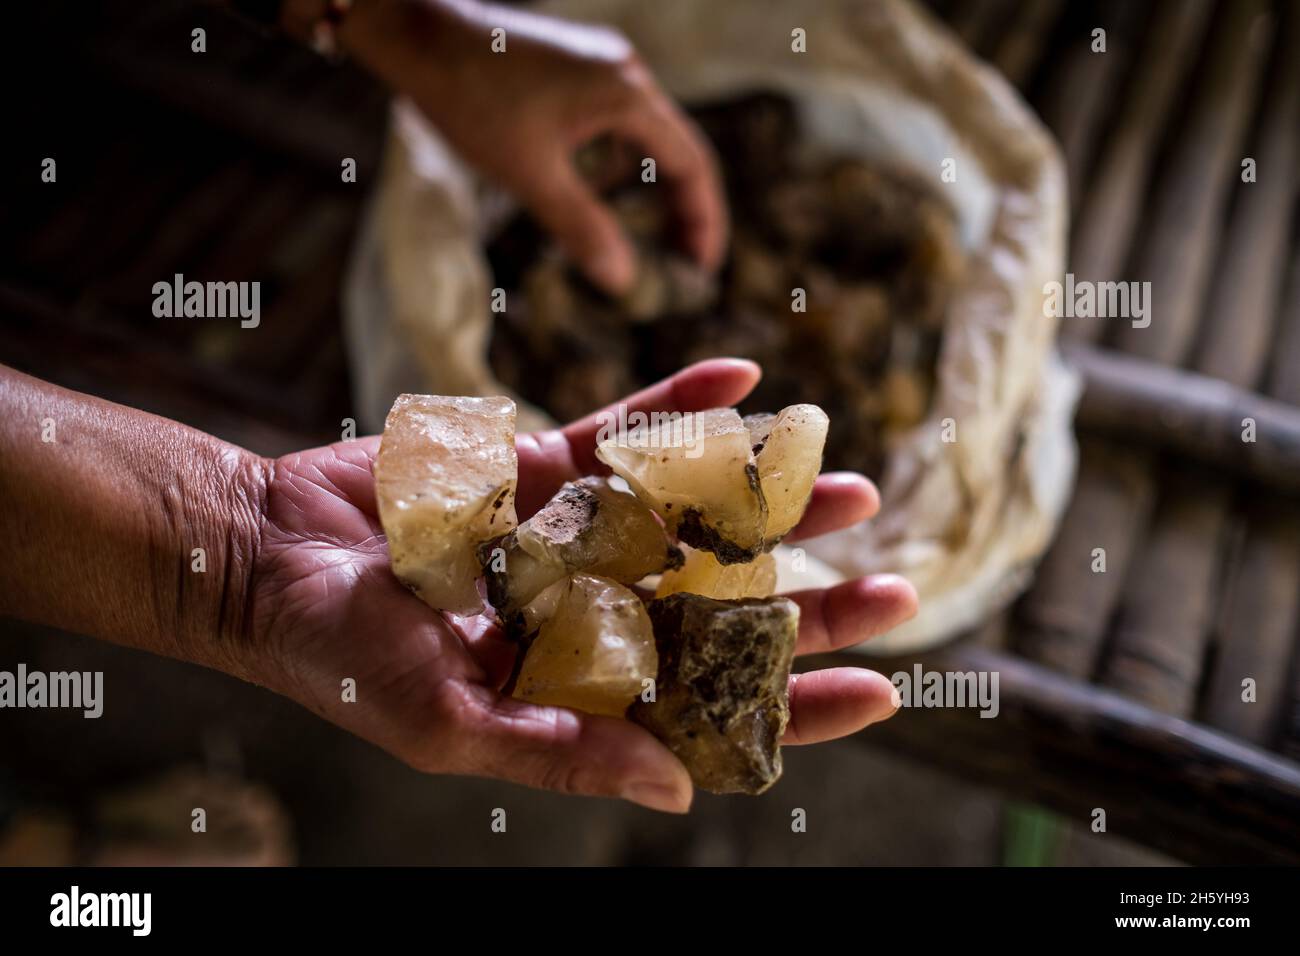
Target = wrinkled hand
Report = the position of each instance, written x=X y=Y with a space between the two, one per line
x=326 y=607
x=520 y=114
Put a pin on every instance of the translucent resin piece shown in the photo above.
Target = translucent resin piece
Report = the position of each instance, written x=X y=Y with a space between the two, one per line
x=721 y=698
x=445 y=482
x=594 y=650
x=702 y=574
x=787 y=448
x=698 y=472
x=588 y=526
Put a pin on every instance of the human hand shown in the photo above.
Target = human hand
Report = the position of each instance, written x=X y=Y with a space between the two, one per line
x=325 y=606
x=519 y=115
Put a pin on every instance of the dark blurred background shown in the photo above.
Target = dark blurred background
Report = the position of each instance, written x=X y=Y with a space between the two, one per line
x=227 y=164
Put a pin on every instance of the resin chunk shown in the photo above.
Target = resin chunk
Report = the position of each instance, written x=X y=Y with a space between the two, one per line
x=445 y=482
x=702 y=574
x=698 y=472
x=594 y=650
x=588 y=526
x=788 y=452
x=722 y=691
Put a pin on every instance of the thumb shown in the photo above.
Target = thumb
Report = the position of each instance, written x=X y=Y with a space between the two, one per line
x=554 y=748
x=583 y=225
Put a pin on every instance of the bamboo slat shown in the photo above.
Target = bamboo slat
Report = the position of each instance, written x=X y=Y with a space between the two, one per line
x=265 y=219
x=1176 y=253
x=977 y=21
x=1259 y=616
x=1284 y=375
x=1063 y=621
x=103 y=355
x=1238 y=325
x=1106 y=220
x=1081 y=90
x=1100 y=515
x=1262 y=601
x=234 y=88
x=1165 y=628
x=192 y=226
x=1284 y=383
x=1024 y=38
x=1158 y=644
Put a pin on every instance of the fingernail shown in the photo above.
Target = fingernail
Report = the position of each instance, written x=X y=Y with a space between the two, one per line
x=742 y=364
x=885 y=712
x=657 y=796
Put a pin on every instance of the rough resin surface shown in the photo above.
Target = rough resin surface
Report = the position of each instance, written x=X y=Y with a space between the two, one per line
x=587 y=526
x=721 y=702
x=445 y=482
x=594 y=651
x=698 y=472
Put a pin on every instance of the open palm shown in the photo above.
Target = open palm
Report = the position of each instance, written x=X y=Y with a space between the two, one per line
x=326 y=607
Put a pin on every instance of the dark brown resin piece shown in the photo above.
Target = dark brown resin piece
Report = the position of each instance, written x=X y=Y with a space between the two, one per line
x=721 y=698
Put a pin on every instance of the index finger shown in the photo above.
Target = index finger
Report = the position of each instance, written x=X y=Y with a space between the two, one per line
x=548 y=459
x=686 y=160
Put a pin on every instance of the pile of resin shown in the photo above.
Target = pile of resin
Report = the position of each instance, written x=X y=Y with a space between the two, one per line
x=875 y=251
x=704 y=663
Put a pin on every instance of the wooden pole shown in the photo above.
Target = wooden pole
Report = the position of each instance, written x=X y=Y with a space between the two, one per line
x=1191 y=415
x=1170 y=784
